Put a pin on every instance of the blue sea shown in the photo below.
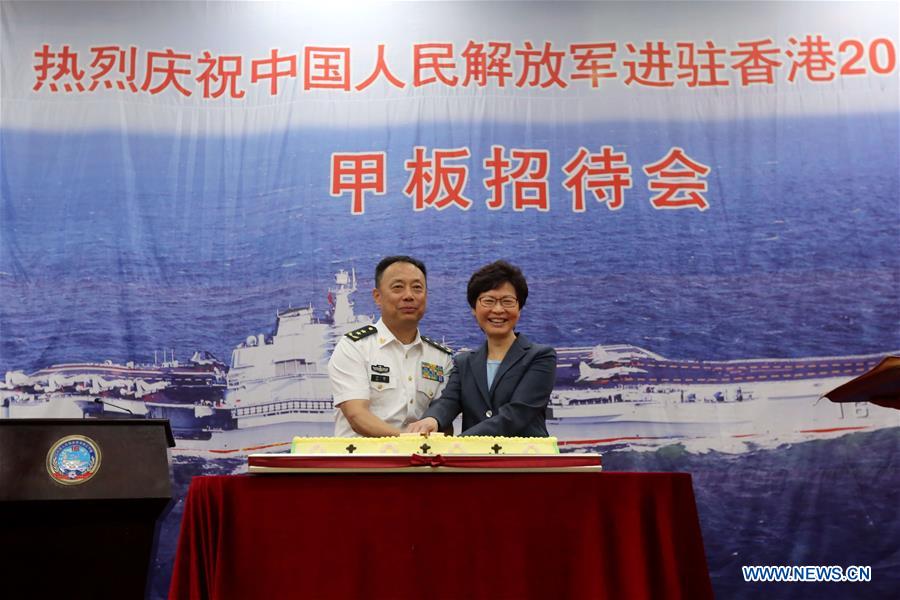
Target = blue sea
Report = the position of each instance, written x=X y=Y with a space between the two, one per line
x=115 y=246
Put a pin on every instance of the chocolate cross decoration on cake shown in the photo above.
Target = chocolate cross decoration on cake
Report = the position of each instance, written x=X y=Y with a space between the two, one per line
x=425 y=448
x=496 y=448
x=351 y=448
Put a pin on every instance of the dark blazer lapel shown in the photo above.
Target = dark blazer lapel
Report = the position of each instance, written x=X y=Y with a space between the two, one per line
x=478 y=363
x=513 y=355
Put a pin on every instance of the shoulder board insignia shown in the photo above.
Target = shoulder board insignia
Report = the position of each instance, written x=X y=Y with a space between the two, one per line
x=440 y=347
x=358 y=334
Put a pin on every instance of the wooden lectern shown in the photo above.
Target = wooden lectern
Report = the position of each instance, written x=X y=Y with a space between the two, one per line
x=77 y=528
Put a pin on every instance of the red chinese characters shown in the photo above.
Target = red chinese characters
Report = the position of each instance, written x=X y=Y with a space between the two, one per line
x=757 y=62
x=699 y=67
x=518 y=178
x=223 y=73
x=593 y=62
x=326 y=68
x=114 y=67
x=165 y=68
x=535 y=66
x=654 y=69
x=677 y=179
x=381 y=70
x=814 y=58
x=438 y=182
x=543 y=66
x=358 y=173
x=606 y=175
x=483 y=65
x=274 y=68
x=526 y=170
x=61 y=67
x=433 y=63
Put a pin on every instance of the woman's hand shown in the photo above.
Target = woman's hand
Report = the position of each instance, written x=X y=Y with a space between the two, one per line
x=426 y=425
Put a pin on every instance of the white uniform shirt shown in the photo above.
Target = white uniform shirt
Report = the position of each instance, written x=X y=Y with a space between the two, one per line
x=398 y=383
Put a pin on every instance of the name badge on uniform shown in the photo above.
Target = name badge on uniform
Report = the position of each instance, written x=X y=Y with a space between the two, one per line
x=432 y=372
x=381 y=378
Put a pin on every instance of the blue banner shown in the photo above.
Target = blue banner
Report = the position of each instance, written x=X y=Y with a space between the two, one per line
x=703 y=197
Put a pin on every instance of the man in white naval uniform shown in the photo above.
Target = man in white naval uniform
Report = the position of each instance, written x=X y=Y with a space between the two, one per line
x=384 y=376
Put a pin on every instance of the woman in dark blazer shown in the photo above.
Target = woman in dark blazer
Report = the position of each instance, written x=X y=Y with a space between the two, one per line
x=503 y=387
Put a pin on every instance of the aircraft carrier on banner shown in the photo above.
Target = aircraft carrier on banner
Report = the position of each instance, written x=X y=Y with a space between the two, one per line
x=277 y=386
x=611 y=394
x=607 y=394
x=111 y=390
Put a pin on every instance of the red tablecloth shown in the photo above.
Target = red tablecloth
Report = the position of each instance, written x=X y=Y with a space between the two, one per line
x=459 y=535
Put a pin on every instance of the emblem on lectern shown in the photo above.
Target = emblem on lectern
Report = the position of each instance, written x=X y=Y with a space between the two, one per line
x=73 y=459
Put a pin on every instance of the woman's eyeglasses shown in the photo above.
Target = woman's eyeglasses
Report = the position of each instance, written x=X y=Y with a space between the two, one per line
x=505 y=301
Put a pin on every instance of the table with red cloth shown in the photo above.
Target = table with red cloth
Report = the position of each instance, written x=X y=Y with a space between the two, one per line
x=441 y=535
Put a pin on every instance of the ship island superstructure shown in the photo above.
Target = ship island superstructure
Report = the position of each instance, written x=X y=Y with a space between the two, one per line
x=278 y=378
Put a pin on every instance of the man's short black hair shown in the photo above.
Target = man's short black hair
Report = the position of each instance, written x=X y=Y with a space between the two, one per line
x=389 y=260
x=490 y=277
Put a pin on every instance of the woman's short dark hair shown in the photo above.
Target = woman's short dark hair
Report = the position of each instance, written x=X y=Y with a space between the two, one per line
x=490 y=277
x=389 y=260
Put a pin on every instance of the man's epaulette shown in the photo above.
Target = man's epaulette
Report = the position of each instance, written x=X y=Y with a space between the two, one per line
x=440 y=347
x=362 y=332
